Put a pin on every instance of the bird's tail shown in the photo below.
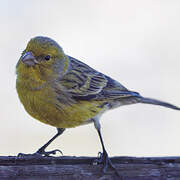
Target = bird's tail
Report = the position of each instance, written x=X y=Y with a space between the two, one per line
x=156 y=102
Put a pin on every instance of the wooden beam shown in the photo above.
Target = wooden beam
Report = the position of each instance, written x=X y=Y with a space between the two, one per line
x=83 y=168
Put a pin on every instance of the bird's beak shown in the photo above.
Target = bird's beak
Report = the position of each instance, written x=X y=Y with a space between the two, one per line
x=29 y=59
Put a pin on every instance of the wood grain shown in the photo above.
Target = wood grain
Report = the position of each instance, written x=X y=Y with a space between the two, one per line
x=83 y=168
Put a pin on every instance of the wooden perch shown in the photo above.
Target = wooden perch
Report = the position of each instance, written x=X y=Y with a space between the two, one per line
x=82 y=168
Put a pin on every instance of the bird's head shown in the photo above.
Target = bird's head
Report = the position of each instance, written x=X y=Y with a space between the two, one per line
x=42 y=59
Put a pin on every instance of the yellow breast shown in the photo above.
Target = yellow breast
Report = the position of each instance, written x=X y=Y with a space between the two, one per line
x=43 y=106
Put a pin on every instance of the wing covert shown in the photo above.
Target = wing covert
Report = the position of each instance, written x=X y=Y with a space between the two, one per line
x=84 y=83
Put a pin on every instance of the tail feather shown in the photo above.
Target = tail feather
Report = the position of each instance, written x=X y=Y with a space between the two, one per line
x=157 y=102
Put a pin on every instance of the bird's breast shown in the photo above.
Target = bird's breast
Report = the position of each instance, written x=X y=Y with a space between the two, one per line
x=44 y=106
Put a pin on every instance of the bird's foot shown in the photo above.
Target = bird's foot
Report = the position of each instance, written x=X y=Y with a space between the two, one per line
x=106 y=161
x=41 y=153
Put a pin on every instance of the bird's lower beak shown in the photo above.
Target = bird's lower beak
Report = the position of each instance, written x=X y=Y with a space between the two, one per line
x=29 y=59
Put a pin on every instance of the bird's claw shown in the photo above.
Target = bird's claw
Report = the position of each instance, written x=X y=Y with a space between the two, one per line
x=48 y=153
x=21 y=155
x=41 y=153
x=104 y=159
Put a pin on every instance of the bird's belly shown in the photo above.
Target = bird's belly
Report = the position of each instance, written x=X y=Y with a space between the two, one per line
x=62 y=116
x=70 y=116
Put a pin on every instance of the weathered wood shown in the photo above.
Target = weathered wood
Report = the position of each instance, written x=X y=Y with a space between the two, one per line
x=82 y=168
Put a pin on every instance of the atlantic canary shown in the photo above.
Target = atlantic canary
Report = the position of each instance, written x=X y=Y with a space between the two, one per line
x=63 y=92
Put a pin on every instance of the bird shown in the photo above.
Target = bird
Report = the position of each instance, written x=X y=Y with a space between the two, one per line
x=64 y=92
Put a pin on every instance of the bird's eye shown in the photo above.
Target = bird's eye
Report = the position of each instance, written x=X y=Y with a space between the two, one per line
x=47 y=58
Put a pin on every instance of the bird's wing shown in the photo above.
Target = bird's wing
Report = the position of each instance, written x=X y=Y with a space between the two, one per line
x=85 y=83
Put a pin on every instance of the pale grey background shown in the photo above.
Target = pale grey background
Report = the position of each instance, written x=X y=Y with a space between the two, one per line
x=134 y=41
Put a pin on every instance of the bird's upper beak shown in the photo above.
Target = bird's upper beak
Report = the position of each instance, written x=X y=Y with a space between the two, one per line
x=29 y=59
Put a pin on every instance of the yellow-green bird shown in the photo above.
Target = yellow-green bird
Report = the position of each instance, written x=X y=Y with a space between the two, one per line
x=62 y=91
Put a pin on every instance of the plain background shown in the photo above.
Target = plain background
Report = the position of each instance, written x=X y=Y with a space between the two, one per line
x=134 y=41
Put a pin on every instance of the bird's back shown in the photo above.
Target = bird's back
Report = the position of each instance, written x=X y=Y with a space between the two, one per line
x=86 y=84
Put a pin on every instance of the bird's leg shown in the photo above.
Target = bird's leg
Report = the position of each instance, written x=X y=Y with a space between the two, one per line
x=103 y=157
x=42 y=151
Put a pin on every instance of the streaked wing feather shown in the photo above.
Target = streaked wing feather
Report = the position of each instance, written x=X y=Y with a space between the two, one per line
x=85 y=83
